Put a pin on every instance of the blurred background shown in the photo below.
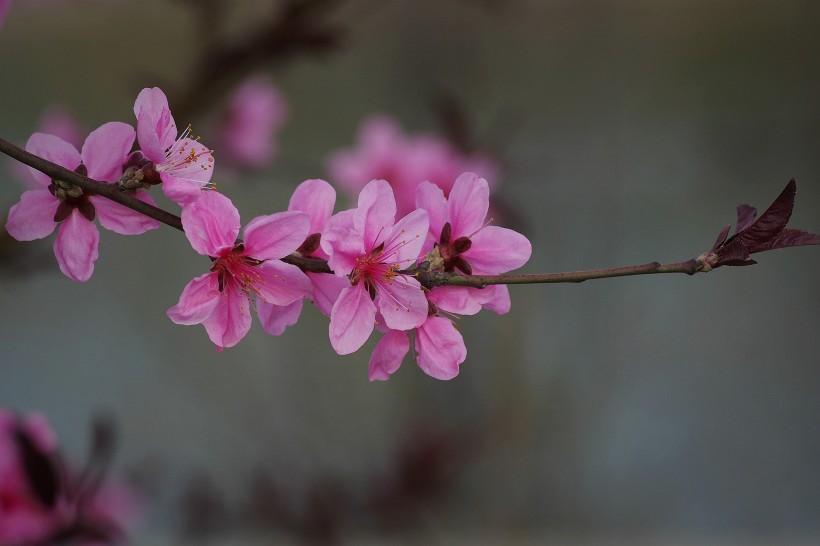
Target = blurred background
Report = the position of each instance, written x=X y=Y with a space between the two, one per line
x=660 y=409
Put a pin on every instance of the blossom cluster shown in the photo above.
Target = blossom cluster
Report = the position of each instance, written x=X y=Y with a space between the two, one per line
x=373 y=252
x=44 y=500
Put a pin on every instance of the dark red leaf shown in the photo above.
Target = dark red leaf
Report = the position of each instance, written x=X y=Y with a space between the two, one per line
x=745 y=216
x=771 y=222
x=721 y=238
x=789 y=238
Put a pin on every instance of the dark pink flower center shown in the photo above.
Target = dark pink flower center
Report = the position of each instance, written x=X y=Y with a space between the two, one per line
x=451 y=249
x=72 y=197
x=236 y=267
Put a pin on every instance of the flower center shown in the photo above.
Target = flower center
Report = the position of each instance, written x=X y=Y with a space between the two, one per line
x=71 y=197
x=451 y=250
x=238 y=268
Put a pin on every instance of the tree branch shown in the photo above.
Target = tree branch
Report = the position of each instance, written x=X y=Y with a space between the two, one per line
x=428 y=279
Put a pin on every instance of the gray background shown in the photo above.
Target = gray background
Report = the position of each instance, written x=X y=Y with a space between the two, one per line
x=676 y=408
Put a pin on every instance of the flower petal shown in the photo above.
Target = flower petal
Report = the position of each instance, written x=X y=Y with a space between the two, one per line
x=388 y=354
x=469 y=201
x=430 y=198
x=439 y=348
x=275 y=235
x=179 y=190
x=460 y=300
x=276 y=318
x=189 y=160
x=497 y=250
x=231 y=318
x=496 y=298
x=198 y=300
x=156 y=128
x=402 y=303
x=76 y=247
x=351 y=319
x=121 y=219
x=33 y=216
x=211 y=223
x=407 y=238
x=326 y=290
x=53 y=149
x=316 y=198
x=341 y=242
x=106 y=149
x=280 y=283
x=375 y=214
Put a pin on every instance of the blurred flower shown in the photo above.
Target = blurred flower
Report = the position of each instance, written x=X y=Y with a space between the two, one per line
x=256 y=112
x=44 y=500
x=39 y=211
x=384 y=152
x=364 y=244
x=220 y=300
x=4 y=8
x=184 y=165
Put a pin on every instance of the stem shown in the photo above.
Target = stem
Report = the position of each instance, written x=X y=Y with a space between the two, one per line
x=428 y=279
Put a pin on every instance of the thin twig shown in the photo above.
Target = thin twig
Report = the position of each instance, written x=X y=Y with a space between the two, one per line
x=428 y=279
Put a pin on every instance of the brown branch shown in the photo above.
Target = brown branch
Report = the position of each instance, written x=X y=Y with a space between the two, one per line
x=110 y=191
x=428 y=279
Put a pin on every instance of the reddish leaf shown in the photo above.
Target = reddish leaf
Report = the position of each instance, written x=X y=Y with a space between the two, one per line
x=767 y=232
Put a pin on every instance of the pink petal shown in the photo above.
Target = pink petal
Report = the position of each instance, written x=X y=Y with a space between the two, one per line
x=53 y=149
x=351 y=319
x=276 y=235
x=40 y=432
x=76 y=247
x=121 y=219
x=430 y=198
x=198 y=300
x=375 y=214
x=33 y=216
x=4 y=8
x=407 y=237
x=105 y=150
x=148 y=139
x=469 y=201
x=156 y=128
x=402 y=303
x=342 y=243
x=316 y=198
x=187 y=159
x=460 y=300
x=180 y=191
x=387 y=355
x=497 y=250
x=276 y=318
x=211 y=223
x=230 y=320
x=439 y=348
x=496 y=298
x=326 y=290
x=280 y=283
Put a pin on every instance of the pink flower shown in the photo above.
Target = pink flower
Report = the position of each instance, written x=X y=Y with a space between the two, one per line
x=55 y=120
x=220 y=300
x=365 y=245
x=184 y=165
x=463 y=241
x=55 y=203
x=439 y=349
x=384 y=152
x=315 y=198
x=43 y=498
x=256 y=111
